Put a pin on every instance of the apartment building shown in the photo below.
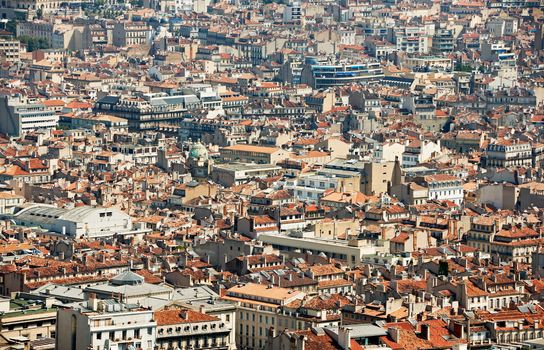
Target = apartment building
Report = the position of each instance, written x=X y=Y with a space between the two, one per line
x=238 y=173
x=351 y=251
x=418 y=151
x=105 y=324
x=9 y=49
x=190 y=329
x=259 y=307
x=312 y=187
x=18 y=116
x=26 y=320
x=411 y=39
x=253 y=154
x=507 y=153
x=148 y=111
x=443 y=187
x=321 y=73
x=131 y=33
x=27 y=8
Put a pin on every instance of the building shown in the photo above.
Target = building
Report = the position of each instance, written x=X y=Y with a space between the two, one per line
x=9 y=202
x=507 y=153
x=443 y=187
x=9 y=49
x=376 y=177
x=18 y=116
x=237 y=173
x=411 y=39
x=311 y=187
x=320 y=73
x=292 y=13
x=27 y=320
x=259 y=308
x=26 y=9
x=105 y=324
x=499 y=52
x=85 y=221
x=186 y=329
x=351 y=251
x=131 y=288
x=253 y=154
x=418 y=151
x=149 y=111
x=131 y=33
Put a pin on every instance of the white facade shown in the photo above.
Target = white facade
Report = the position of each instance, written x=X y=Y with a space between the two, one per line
x=86 y=221
x=292 y=12
x=18 y=116
x=412 y=156
x=101 y=325
x=445 y=188
x=389 y=152
x=311 y=188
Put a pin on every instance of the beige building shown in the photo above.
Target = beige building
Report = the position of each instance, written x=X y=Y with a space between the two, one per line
x=337 y=228
x=189 y=329
x=9 y=201
x=337 y=147
x=25 y=320
x=184 y=193
x=259 y=308
x=29 y=8
x=376 y=177
x=253 y=154
x=9 y=50
x=131 y=33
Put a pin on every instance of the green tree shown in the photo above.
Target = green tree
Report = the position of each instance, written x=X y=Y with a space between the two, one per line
x=11 y=26
x=33 y=44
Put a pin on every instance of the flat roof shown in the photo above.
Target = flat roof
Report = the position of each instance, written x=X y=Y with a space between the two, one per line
x=252 y=148
x=263 y=291
x=245 y=166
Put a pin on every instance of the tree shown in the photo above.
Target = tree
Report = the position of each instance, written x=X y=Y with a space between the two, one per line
x=11 y=26
x=33 y=44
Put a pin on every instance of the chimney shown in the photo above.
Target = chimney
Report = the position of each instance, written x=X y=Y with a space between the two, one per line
x=426 y=331
x=344 y=337
x=93 y=302
x=394 y=333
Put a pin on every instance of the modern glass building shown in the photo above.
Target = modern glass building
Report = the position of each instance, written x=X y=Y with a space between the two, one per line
x=321 y=74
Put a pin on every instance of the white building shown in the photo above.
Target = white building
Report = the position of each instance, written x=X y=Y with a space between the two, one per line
x=105 y=324
x=389 y=152
x=445 y=187
x=9 y=201
x=85 y=221
x=311 y=188
x=18 y=116
x=292 y=12
x=417 y=152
